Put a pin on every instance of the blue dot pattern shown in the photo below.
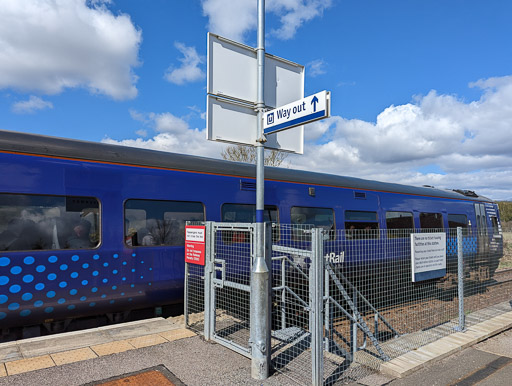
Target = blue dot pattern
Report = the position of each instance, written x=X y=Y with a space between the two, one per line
x=35 y=286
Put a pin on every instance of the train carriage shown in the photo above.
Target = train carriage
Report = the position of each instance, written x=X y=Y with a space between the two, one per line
x=90 y=228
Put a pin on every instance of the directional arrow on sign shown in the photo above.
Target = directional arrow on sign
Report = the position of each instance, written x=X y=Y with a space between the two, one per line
x=314 y=101
x=300 y=112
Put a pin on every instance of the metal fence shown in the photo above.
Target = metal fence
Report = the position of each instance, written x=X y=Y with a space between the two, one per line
x=217 y=296
x=293 y=250
x=344 y=301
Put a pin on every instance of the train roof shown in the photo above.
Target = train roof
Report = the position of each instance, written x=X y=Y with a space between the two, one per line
x=100 y=152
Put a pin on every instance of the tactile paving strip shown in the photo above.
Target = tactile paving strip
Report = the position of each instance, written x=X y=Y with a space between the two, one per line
x=94 y=351
x=29 y=364
x=77 y=355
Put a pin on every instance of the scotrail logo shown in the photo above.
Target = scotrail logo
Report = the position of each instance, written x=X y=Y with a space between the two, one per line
x=335 y=258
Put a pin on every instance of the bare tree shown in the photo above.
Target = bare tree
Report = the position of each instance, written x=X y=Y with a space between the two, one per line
x=247 y=154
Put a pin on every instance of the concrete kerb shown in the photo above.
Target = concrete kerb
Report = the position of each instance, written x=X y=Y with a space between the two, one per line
x=433 y=352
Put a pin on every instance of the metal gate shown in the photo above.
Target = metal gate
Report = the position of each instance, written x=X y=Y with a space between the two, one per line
x=313 y=302
x=230 y=250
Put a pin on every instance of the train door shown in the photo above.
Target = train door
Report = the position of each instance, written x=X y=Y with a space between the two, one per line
x=482 y=230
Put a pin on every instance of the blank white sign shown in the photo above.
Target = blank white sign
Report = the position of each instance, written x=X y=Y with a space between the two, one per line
x=232 y=74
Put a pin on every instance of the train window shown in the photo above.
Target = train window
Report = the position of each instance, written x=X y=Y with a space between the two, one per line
x=361 y=224
x=458 y=220
x=246 y=213
x=431 y=221
x=30 y=222
x=157 y=223
x=399 y=224
x=399 y=220
x=495 y=226
x=318 y=217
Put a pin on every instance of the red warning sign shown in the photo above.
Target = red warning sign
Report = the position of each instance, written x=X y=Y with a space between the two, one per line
x=195 y=238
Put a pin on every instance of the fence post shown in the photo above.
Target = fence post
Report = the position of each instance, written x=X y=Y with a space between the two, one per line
x=186 y=295
x=353 y=326
x=460 y=280
x=327 y=313
x=208 y=268
x=316 y=288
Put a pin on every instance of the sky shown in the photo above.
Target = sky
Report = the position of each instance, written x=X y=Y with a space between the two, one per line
x=421 y=91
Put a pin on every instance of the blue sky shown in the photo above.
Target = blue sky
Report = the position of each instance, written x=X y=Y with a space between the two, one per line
x=421 y=90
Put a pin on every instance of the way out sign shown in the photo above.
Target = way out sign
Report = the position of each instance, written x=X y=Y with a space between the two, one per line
x=195 y=240
x=300 y=112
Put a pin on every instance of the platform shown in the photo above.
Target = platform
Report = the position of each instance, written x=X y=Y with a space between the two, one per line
x=55 y=350
x=103 y=355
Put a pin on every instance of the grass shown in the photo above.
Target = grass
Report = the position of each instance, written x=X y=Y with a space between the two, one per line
x=506 y=260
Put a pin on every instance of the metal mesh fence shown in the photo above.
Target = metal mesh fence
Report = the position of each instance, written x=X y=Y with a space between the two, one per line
x=488 y=275
x=234 y=251
x=194 y=297
x=291 y=336
x=372 y=300
x=372 y=310
x=194 y=293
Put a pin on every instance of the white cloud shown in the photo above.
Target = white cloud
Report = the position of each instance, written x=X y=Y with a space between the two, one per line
x=316 y=68
x=294 y=13
x=231 y=19
x=189 y=71
x=31 y=105
x=234 y=19
x=142 y=133
x=198 y=111
x=168 y=123
x=436 y=139
x=173 y=134
x=470 y=143
x=50 y=45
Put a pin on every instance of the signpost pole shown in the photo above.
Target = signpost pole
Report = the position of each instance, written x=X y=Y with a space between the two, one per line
x=260 y=314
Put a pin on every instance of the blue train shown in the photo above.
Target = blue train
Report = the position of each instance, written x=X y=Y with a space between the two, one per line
x=89 y=228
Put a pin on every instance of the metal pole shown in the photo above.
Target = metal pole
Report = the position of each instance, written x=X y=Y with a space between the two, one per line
x=186 y=295
x=316 y=288
x=283 y=293
x=209 y=316
x=353 y=326
x=460 y=280
x=260 y=326
x=327 y=312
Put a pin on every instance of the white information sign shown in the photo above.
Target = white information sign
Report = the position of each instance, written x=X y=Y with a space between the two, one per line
x=300 y=112
x=428 y=256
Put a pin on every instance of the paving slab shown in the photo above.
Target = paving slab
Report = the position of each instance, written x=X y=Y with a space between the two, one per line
x=29 y=364
x=147 y=340
x=3 y=371
x=136 y=329
x=63 y=342
x=177 y=334
x=77 y=355
x=10 y=352
x=112 y=347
